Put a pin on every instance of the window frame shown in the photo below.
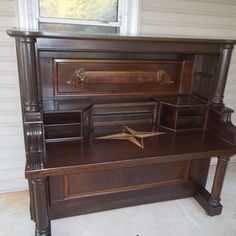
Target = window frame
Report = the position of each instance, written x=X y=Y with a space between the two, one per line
x=128 y=17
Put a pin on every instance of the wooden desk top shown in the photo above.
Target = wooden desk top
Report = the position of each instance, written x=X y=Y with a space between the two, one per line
x=69 y=157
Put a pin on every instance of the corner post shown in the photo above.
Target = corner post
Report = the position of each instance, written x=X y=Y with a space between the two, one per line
x=221 y=74
x=210 y=202
x=218 y=181
x=40 y=194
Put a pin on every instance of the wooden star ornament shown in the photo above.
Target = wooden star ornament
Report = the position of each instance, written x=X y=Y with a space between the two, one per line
x=131 y=135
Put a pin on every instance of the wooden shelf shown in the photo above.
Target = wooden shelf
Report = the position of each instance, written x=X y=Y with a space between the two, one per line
x=57 y=132
x=62 y=124
x=61 y=140
x=186 y=111
x=66 y=105
x=180 y=101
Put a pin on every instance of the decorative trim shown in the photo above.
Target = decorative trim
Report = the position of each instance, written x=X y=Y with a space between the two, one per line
x=34 y=137
x=82 y=77
x=78 y=77
x=226 y=116
x=132 y=136
x=164 y=78
x=122 y=189
x=34 y=145
x=27 y=40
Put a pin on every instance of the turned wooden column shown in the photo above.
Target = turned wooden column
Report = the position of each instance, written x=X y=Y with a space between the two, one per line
x=28 y=73
x=41 y=208
x=218 y=181
x=30 y=100
x=221 y=75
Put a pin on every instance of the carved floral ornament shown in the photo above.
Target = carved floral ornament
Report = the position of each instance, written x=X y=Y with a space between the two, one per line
x=79 y=77
x=163 y=77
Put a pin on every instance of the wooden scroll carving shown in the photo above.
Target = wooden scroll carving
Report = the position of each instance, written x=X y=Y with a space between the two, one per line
x=164 y=78
x=78 y=77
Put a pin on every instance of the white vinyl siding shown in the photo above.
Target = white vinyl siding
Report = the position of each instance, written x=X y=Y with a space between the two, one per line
x=12 y=155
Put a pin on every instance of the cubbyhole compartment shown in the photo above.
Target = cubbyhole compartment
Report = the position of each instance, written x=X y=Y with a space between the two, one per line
x=67 y=120
x=180 y=113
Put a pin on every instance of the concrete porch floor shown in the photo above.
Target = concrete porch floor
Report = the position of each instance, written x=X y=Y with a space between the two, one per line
x=172 y=218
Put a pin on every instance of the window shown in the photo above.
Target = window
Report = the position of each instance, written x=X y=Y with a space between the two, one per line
x=94 y=10
x=81 y=15
x=100 y=16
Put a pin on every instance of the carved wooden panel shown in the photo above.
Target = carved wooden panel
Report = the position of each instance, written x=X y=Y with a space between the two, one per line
x=93 y=77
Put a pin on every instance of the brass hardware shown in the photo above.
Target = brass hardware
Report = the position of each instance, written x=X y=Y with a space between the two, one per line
x=78 y=77
x=81 y=75
x=163 y=77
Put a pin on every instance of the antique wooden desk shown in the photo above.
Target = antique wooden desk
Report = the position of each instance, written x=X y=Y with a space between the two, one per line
x=76 y=89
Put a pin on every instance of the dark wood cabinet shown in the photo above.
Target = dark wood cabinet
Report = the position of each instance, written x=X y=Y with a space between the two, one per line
x=92 y=109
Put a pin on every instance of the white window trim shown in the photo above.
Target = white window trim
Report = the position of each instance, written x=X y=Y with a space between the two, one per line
x=128 y=17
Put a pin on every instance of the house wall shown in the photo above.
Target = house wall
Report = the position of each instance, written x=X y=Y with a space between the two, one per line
x=12 y=156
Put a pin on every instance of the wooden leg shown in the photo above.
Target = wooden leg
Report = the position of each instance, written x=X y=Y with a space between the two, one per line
x=31 y=194
x=40 y=193
x=218 y=180
x=211 y=201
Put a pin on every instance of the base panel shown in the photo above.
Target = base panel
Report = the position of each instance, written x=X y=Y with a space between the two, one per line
x=72 y=207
